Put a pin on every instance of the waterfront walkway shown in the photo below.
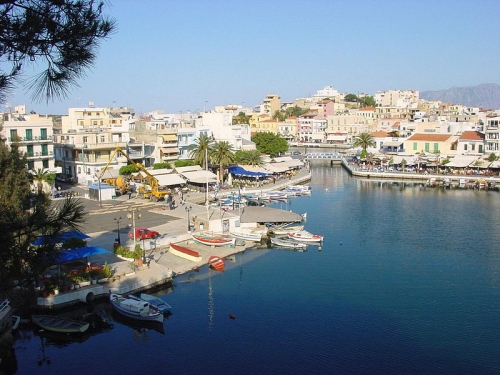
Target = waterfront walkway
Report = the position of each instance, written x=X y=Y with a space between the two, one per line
x=160 y=263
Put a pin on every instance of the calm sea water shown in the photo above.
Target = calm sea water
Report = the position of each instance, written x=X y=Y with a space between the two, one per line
x=406 y=282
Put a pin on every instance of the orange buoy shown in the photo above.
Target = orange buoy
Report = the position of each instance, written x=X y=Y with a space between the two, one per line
x=232 y=316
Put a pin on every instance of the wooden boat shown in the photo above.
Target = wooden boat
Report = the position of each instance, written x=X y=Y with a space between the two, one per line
x=304 y=236
x=59 y=324
x=246 y=235
x=214 y=239
x=160 y=304
x=135 y=308
x=184 y=252
x=288 y=243
x=216 y=262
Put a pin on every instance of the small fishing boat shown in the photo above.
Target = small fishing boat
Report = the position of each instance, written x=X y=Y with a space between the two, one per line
x=60 y=324
x=214 y=239
x=279 y=230
x=135 y=308
x=304 y=236
x=160 y=304
x=184 y=252
x=247 y=235
x=277 y=195
x=288 y=243
x=216 y=262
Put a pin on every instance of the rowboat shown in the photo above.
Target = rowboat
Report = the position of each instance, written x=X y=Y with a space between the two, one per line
x=135 y=308
x=288 y=243
x=59 y=324
x=216 y=262
x=305 y=236
x=184 y=252
x=160 y=304
x=214 y=239
x=247 y=235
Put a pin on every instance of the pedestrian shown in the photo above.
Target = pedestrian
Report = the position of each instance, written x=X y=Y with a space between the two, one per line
x=129 y=194
x=58 y=187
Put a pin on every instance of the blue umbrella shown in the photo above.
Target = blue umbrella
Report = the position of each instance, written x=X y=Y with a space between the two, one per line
x=61 y=238
x=82 y=252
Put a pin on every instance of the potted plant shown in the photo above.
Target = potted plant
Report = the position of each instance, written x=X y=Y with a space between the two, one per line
x=94 y=275
x=105 y=273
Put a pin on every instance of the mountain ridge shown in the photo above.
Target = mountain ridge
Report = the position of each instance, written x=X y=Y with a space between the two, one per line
x=485 y=95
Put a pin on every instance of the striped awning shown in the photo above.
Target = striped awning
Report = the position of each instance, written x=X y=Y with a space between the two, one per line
x=169 y=137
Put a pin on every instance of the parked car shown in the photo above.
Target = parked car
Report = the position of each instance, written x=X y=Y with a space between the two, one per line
x=144 y=234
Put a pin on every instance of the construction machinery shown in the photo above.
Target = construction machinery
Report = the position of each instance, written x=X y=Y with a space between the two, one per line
x=121 y=184
x=149 y=190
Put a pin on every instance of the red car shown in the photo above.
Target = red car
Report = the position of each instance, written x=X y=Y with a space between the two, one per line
x=144 y=234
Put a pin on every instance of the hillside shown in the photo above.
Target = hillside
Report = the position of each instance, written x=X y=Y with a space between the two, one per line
x=486 y=95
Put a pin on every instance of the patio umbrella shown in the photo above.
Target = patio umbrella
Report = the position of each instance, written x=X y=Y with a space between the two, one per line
x=61 y=238
x=82 y=252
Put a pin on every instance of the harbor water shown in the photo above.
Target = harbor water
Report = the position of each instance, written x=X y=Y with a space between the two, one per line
x=406 y=282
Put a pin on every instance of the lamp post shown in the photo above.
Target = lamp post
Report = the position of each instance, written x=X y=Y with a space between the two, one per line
x=118 y=223
x=188 y=210
x=134 y=212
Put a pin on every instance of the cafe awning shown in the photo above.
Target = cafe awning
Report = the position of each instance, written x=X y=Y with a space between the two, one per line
x=200 y=177
x=169 y=137
x=82 y=252
x=170 y=179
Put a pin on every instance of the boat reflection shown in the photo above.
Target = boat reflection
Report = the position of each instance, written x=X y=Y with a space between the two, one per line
x=139 y=325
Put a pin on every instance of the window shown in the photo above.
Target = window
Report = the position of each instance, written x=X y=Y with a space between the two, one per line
x=30 y=150
x=85 y=139
x=13 y=134
x=45 y=163
x=31 y=164
x=465 y=147
x=415 y=145
x=43 y=134
x=29 y=134
x=480 y=149
x=427 y=147
x=473 y=147
x=103 y=139
x=45 y=150
x=436 y=147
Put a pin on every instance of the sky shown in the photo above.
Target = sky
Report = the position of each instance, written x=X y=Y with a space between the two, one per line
x=192 y=55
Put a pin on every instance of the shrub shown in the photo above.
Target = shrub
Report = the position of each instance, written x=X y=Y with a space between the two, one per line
x=106 y=271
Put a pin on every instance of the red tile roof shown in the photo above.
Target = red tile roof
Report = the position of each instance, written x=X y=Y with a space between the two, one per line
x=430 y=137
x=471 y=135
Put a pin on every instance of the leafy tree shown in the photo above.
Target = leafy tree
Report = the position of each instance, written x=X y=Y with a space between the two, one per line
x=492 y=157
x=248 y=157
x=351 y=98
x=269 y=143
x=40 y=176
x=23 y=218
x=279 y=115
x=364 y=140
x=162 y=166
x=128 y=169
x=367 y=101
x=222 y=154
x=201 y=149
x=61 y=35
x=184 y=163
x=242 y=118
x=295 y=111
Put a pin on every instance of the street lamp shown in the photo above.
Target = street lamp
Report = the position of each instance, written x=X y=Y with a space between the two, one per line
x=188 y=210
x=134 y=212
x=118 y=223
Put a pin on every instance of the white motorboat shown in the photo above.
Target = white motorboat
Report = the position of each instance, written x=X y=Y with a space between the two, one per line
x=160 y=304
x=288 y=243
x=135 y=308
x=305 y=236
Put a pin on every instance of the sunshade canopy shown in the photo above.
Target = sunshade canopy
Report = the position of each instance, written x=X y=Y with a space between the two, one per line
x=79 y=253
x=61 y=238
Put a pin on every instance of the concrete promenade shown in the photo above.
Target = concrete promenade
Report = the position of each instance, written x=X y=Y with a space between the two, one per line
x=160 y=265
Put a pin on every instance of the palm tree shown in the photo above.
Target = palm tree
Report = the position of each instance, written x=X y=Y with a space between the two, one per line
x=202 y=148
x=253 y=157
x=40 y=176
x=279 y=115
x=364 y=140
x=222 y=154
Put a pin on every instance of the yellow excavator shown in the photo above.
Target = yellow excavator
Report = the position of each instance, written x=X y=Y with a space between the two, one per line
x=151 y=190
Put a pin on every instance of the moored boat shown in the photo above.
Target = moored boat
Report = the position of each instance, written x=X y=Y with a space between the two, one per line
x=288 y=243
x=160 y=304
x=216 y=262
x=184 y=252
x=247 y=235
x=135 y=308
x=213 y=239
x=279 y=230
x=60 y=324
x=305 y=236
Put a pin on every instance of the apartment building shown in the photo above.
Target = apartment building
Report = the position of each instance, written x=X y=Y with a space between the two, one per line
x=492 y=134
x=471 y=142
x=445 y=144
x=34 y=135
x=394 y=98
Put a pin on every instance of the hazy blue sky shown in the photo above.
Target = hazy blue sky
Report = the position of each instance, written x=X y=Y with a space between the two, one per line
x=187 y=54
